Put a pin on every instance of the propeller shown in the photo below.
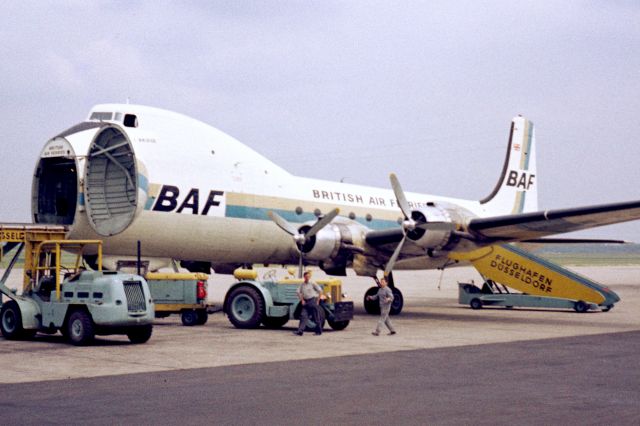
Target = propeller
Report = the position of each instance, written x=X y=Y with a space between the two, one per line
x=409 y=224
x=301 y=237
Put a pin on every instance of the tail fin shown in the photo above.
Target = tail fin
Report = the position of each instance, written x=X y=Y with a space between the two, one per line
x=517 y=189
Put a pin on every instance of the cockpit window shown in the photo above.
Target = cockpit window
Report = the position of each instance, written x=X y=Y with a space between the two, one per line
x=102 y=116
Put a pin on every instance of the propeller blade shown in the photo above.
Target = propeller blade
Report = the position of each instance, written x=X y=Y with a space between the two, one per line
x=324 y=221
x=300 y=265
x=392 y=260
x=282 y=223
x=399 y=193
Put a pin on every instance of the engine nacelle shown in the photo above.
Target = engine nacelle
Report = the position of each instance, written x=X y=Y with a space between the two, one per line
x=325 y=244
x=331 y=241
x=434 y=239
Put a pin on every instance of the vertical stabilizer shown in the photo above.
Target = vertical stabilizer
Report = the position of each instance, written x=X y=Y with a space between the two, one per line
x=517 y=188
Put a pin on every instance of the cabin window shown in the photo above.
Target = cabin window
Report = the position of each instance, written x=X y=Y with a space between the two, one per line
x=130 y=120
x=101 y=116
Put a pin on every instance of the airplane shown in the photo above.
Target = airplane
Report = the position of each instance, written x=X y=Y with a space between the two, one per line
x=189 y=192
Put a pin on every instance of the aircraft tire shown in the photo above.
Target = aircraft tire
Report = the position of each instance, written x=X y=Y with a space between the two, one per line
x=398 y=302
x=245 y=307
x=372 y=307
x=141 y=334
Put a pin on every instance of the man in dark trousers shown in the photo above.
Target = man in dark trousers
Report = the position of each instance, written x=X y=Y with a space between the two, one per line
x=385 y=298
x=309 y=294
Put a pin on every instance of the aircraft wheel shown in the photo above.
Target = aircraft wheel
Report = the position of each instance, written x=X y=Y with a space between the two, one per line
x=398 y=302
x=372 y=307
x=607 y=308
x=140 y=334
x=338 y=325
x=245 y=307
x=275 y=322
x=11 y=321
x=80 y=328
x=189 y=317
x=475 y=303
x=580 y=306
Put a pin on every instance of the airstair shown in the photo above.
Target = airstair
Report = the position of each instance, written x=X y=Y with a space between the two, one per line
x=543 y=284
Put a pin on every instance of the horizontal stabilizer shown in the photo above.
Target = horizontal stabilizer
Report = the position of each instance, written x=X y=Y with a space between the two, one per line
x=530 y=274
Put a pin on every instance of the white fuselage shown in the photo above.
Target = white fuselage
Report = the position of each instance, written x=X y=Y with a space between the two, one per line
x=202 y=195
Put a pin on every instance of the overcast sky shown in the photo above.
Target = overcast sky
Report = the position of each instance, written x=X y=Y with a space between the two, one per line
x=347 y=90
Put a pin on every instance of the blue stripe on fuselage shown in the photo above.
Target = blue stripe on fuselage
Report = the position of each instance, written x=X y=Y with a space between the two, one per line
x=260 y=213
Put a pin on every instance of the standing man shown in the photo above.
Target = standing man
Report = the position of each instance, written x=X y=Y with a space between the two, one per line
x=309 y=294
x=385 y=298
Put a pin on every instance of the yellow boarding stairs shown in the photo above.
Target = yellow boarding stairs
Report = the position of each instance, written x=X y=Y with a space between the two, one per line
x=543 y=283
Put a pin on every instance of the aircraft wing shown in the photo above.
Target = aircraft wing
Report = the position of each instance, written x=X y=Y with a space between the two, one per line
x=527 y=227
x=530 y=226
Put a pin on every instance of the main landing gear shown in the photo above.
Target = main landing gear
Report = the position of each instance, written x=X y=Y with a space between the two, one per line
x=372 y=307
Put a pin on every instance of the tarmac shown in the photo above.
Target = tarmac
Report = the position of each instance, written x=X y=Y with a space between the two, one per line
x=438 y=343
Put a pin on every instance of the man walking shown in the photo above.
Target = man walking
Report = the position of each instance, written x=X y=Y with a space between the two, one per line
x=309 y=294
x=385 y=298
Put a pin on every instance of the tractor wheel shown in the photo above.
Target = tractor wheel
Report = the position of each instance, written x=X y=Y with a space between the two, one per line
x=203 y=316
x=245 y=307
x=338 y=325
x=140 y=334
x=311 y=324
x=11 y=321
x=80 y=329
